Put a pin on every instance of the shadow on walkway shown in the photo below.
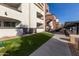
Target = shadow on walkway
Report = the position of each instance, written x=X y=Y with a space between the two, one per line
x=65 y=39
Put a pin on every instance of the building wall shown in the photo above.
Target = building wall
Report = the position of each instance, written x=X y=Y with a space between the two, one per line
x=25 y=14
x=33 y=17
x=7 y=32
x=51 y=19
x=27 y=17
x=10 y=13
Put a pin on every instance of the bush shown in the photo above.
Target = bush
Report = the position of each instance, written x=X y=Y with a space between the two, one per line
x=25 y=45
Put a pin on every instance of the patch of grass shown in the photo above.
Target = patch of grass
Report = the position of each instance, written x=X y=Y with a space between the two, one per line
x=25 y=45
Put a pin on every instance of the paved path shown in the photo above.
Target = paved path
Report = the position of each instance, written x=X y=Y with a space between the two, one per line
x=53 y=47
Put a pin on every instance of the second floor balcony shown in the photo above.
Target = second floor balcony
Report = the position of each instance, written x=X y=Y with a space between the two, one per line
x=14 y=6
x=9 y=13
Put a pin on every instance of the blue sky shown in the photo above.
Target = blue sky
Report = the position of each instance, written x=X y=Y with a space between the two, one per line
x=65 y=11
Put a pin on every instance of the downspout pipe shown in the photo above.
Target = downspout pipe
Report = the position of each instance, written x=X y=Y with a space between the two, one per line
x=29 y=18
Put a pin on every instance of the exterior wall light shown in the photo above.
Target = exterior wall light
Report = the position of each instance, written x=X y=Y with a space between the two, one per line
x=6 y=13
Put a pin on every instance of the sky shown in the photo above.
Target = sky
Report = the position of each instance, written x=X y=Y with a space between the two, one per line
x=65 y=11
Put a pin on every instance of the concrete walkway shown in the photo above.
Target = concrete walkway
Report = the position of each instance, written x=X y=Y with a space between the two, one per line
x=54 y=47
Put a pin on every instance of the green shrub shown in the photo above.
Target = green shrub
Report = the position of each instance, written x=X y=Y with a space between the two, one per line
x=26 y=45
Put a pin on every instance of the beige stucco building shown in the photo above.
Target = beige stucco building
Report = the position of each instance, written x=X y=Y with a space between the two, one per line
x=21 y=18
x=52 y=23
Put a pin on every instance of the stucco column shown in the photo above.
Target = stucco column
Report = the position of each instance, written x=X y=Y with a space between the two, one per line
x=44 y=18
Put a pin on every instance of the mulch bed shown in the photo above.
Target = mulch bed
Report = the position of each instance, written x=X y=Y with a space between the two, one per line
x=6 y=38
x=74 y=51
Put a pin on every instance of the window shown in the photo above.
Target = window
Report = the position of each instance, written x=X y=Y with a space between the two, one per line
x=39 y=5
x=9 y=24
x=39 y=25
x=39 y=15
x=6 y=24
x=13 y=24
x=0 y=23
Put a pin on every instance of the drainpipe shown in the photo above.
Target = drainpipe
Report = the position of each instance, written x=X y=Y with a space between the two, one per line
x=29 y=18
